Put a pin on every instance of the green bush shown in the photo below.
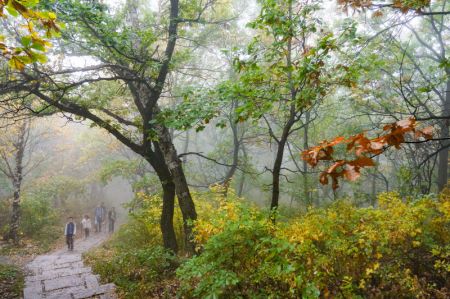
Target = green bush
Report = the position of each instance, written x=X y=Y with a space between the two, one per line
x=135 y=272
x=229 y=266
x=11 y=281
x=397 y=251
x=40 y=221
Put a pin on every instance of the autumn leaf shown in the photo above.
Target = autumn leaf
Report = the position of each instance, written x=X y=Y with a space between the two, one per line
x=16 y=63
x=363 y=148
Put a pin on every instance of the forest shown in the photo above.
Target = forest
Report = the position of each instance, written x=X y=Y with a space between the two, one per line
x=224 y=149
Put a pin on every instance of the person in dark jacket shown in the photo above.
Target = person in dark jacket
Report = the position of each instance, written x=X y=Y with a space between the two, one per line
x=70 y=231
x=100 y=213
x=112 y=219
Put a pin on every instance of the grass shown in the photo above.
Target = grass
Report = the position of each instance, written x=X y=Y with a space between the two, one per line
x=11 y=281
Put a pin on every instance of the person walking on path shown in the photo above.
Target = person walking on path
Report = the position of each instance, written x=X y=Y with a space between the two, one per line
x=100 y=213
x=70 y=231
x=87 y=225
x=112 y=219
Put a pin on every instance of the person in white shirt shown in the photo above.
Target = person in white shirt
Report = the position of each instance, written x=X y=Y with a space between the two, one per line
x=87 y=225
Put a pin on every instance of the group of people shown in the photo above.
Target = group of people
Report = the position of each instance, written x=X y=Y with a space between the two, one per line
x=99 y=219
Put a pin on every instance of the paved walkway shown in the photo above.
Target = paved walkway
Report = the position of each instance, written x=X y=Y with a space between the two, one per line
x=62 y=275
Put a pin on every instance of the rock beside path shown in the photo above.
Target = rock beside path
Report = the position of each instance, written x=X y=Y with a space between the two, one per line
x=61 y=274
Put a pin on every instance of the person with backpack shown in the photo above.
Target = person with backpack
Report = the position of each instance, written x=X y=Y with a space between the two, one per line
x=70 y=231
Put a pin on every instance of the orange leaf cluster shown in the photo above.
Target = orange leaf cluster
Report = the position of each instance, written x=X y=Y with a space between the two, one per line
x=364 y=149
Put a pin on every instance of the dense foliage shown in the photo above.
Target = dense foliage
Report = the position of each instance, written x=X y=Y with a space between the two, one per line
x=40 y=223
x=137 y=272
x=186 y=101
x=134 y=258
x=11 y=281
x=397 y=250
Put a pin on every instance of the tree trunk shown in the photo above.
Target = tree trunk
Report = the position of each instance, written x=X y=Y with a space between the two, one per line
x=236 y=145
x=307 y=193
x=281 y=143
x=186 y=147
x=241 y=185
x=17 y=182
x=15 y=218
x=373 y=197
x=182 y=190
x=277 y=167
x=443 y=154
x=242 y=181
x=166 y=221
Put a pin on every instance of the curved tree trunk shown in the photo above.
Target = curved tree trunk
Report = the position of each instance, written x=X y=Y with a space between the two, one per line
x=166 y=221
x=233 y=168
x=276 y=173
x=182 y=189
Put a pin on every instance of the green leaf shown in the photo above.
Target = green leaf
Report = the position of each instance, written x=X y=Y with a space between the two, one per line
x=39 y=57
x=12 y=11
x=26 y=41
x=38 y=47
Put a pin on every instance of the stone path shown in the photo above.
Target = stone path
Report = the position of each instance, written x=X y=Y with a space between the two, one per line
x=62 y=275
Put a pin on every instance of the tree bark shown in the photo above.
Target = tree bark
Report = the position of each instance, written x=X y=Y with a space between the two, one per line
x=281 y=143
x=17 y=182
x=236 y=146
x=156 y=160
x=182 y=189
x=306 y=191
x=276 y=174
x=186 y=147
x=443 y=154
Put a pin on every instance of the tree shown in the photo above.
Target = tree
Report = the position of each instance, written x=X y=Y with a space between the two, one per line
x=401 y=74
x=285 y=71
x=142 y=66
x=408 y=76
x=17 y=144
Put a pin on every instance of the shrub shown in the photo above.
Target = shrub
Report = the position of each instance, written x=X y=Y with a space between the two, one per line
x=398 y=250
x=11 y=281
x=135 y=272
x=134 y=258
x=40 y=221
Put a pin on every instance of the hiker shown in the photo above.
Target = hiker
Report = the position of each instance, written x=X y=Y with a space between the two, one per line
x=87 y=225
x=112 y=219
x=100 y=213
x=69 y=232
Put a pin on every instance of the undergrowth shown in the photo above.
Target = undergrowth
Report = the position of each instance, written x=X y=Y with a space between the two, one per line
x=11 y=281
x=399 y=250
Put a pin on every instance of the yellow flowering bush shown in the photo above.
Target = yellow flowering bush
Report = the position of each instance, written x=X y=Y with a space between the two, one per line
x=134 y=258
x=214 y=213
x=399 y=249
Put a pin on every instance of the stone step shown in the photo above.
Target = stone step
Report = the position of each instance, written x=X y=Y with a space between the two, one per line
x=91 y=281
x=62 y=275
x=33 y=290
x=65 y=293
x=105 y=289
x=48 y=274
x=62 y=282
